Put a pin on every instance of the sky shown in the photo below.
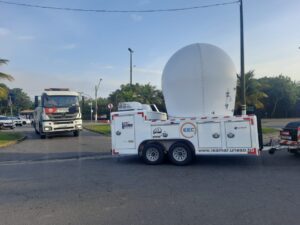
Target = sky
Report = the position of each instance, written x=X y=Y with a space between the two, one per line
x=49 y=48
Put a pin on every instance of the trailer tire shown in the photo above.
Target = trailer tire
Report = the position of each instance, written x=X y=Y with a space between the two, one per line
x=180 y=154
x=76 y=133
x=153 y=154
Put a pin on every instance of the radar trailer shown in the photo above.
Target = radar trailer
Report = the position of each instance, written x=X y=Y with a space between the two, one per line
x=199 y=88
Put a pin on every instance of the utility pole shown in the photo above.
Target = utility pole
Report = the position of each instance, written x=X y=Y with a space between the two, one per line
x=131 y=51
x=10 y=104
x=242 y=84
x=91 y=104
x=96 y=105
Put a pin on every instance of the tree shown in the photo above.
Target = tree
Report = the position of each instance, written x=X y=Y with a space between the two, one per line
x=282 y=95
x=146 y=94
x=4 y=76
x=254 y=91
x=20 y=100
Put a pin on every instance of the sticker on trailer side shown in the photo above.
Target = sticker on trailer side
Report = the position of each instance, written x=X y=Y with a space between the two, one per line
x=252 y=151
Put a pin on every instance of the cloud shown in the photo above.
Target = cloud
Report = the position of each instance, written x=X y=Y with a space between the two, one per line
x=69 y=46
x=136 y=18
x=26 y=37
x=4 y=31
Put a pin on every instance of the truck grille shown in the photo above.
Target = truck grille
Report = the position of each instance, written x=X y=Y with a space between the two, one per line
x=63 y=128
x=60 y=116
x=63 y=122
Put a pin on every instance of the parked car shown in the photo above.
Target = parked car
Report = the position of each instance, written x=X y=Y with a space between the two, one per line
x=6 y=122
x=290 y=136
x=17 y=121
x=25 y=121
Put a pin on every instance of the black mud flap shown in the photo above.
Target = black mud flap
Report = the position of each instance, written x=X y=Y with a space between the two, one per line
x=260 y=134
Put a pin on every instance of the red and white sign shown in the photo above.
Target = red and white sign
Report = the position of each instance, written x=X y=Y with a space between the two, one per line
x=110 y=106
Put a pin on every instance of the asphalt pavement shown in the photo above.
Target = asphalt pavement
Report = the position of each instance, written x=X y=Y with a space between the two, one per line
x=99 y=189
x=63 y=146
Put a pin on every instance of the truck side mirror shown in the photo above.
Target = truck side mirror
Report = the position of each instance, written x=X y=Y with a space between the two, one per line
x=36 y=101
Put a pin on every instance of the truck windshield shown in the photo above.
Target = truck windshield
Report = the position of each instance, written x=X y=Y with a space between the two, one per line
x=60 y=101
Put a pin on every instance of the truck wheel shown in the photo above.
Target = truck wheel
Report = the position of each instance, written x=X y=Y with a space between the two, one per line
x=42 y=135
x=153 y=154
x=76 y=133
x=180 y=154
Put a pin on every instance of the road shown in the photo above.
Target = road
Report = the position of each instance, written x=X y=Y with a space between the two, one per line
x=110 y=191
x=56 y=147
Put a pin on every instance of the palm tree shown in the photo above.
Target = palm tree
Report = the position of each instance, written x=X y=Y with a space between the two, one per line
x=254 y=93
x=4 y=76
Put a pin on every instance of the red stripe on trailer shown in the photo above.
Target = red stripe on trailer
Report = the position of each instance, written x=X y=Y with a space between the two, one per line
x=194 y=118
x=203 y=118
x=182 y=118
x=113 y=116
x=250 y=120
x=284 y=142
x=215 y=117
x=226 y=116
x=252 y=151
x=114 y=152
x=143 y=115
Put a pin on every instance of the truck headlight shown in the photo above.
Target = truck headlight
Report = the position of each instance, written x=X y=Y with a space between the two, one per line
x=47 y=128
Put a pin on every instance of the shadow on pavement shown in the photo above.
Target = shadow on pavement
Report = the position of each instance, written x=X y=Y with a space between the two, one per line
x=9 y=156
x=282 y=159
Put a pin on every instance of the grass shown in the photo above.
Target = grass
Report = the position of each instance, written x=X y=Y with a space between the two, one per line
x=8 y=138
x=98 y=128
x=269 y=130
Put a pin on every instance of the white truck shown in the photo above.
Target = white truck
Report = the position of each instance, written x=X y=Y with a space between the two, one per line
x=57 y=111
x=199 y=85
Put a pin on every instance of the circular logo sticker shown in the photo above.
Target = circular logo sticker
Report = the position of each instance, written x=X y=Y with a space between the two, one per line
x=188 y=130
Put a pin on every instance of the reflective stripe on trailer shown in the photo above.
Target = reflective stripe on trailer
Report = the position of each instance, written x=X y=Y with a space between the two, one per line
x=284 y=142
x=253 y=151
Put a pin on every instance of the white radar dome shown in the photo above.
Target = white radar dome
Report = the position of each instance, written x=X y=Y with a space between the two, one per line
x=199 y=80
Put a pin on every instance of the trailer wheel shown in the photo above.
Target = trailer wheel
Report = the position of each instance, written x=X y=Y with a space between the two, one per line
x=180 y=154
x=153 y=154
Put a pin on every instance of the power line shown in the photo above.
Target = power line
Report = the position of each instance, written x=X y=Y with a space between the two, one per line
x=118 y=11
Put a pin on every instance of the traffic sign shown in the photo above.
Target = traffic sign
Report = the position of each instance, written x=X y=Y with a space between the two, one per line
x=110 y=106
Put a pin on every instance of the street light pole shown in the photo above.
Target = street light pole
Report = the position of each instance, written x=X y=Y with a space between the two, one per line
x=91 y=104
x=131 y=51
x=96 y=105
x=242 y=84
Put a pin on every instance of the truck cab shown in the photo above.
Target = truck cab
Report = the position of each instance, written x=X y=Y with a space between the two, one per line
x=57 y=111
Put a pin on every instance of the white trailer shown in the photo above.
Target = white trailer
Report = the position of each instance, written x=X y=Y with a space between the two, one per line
x=199 y=85
x=149 y=135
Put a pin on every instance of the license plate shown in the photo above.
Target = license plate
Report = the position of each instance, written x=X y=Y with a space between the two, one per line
x=62 y=110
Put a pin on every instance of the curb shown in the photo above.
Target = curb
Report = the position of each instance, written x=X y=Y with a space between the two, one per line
x=106 y=135
x=22 y=139
x=14 y=142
